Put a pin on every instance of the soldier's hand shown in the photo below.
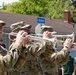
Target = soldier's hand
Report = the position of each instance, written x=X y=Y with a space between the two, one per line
x=27 y=40
x=20 y=37
x=68 y=43
x=47 y=34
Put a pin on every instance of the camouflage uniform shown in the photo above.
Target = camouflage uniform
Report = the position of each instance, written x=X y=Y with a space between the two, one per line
x=50 y=29
x=15 y=27
x=8 y=60
x=28 y=56
x=2 y=51
x=40 y=59
x=54 y=70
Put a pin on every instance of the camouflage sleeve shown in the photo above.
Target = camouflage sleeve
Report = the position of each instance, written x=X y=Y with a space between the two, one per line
x=37 y=48
x=60 y=57
x=9 y=60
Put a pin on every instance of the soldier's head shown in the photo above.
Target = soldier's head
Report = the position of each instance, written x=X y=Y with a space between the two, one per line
x=2 y=23
x=16 y=27
x=47 y=28
x=20 y=26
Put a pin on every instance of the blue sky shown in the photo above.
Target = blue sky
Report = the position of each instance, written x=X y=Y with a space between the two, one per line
x=7 y=1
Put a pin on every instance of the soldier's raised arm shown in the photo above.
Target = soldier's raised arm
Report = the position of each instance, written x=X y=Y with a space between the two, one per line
x=62 y=56
x=9 y=60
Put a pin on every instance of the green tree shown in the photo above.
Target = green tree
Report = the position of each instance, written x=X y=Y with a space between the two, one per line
x=42 y=8
x=30 y=7
x=73 y=2
x=73 y=16
x=56 y=9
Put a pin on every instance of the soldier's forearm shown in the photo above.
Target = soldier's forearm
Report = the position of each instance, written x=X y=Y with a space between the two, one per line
x=60 y=57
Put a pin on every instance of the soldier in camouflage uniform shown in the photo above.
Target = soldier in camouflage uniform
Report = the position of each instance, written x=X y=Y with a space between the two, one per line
x=50 y=70
x=2 y=50
x=2 y=23
x=8 y=60
x=41 y=58
x=21 y=68
x=50 y=29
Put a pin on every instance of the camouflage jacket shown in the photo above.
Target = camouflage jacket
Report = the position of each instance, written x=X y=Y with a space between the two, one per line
x=50 y=59
x=8 y=59
x=28 y=56
x=40 y=58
